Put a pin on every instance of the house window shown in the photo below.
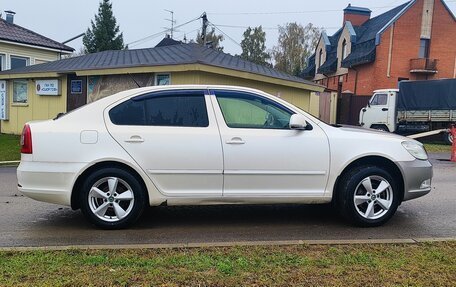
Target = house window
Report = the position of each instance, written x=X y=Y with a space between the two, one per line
x=424 y=48
x=2 y=62
x=18 y=62
x=162 y=79
x=320 y=59
x=20 y=91
x=344 y=49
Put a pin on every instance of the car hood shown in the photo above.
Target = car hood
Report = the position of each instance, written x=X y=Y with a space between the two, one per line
x=363 y=131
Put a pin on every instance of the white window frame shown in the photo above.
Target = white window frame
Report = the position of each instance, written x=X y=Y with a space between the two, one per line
x=26 y=95
x=3 y=62
x=27 y=60
x=344 y=49
x=161 y=74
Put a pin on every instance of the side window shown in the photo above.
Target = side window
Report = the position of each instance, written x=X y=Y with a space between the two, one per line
x=177 y=111
x=249 y=111
x=129 y=113
x=379 y=100
x=187 y=110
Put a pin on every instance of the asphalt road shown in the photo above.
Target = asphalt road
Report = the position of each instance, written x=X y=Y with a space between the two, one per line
x=25 y=222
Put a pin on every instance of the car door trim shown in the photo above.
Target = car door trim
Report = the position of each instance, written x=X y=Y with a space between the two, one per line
x=273 y=172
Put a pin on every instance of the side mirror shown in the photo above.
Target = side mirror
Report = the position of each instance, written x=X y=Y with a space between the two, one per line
x=298 y=122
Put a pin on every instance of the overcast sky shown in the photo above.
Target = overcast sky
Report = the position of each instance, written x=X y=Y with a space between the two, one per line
x=61 y=20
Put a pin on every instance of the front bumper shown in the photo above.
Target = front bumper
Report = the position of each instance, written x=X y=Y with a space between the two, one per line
x=417 y=178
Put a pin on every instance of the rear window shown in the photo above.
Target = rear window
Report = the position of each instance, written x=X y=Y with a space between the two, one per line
x=187 y=110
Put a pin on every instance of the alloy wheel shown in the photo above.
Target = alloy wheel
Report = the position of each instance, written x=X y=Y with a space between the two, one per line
x=373 y=197
x=111 y=199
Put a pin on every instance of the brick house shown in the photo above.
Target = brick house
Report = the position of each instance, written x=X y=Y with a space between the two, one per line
x=413 y=41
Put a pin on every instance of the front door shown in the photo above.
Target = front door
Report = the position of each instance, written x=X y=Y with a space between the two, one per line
x=77 y=92
x=173 y=136
x=262 y=155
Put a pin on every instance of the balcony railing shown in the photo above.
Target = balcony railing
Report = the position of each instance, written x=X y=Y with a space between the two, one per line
x=423 y=65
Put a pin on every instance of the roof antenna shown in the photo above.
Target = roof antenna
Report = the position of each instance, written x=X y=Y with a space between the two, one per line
x=139 y=86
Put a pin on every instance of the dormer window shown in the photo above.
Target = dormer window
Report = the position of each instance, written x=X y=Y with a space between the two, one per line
x=344 y=49
x=320 y=58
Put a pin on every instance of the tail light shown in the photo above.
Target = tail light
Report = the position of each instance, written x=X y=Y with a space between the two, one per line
x=26 y=140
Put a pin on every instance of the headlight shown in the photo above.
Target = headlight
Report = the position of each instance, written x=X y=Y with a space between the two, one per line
x=415 y=149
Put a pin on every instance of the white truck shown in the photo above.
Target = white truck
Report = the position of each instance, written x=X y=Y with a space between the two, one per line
x=417 y=106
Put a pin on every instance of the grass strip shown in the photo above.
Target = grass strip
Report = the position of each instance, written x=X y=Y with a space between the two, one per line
x=10 y=148
x=424 y=264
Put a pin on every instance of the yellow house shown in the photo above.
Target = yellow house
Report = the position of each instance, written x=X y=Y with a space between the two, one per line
x=43 y=91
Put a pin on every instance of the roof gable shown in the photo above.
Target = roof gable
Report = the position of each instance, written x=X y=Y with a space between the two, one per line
x=14 y=33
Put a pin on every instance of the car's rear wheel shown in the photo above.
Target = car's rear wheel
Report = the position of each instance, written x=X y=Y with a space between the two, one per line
x=112 y=198
x=368 y=195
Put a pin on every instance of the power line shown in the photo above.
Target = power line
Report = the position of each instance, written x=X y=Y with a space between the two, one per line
x=264 y=28
x=299 y=12
x=147 y=38
x=226 y=35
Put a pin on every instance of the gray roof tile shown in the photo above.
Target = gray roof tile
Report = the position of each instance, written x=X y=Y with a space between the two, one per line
x=166 y=55
x=15 y=33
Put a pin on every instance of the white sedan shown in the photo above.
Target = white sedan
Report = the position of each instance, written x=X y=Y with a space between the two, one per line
x=205 y=145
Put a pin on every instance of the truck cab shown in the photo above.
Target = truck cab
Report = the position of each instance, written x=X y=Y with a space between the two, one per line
x=380 y=111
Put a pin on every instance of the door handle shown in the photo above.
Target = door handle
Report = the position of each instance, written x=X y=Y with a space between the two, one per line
x=236 y=140
x=384 y=109
x=135 y=139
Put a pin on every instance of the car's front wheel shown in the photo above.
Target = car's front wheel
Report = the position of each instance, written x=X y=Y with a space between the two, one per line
x=368 y=195
x=112 y=198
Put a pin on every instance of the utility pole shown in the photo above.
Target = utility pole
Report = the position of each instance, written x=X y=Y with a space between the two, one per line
x=172 y=21
x=204 y=29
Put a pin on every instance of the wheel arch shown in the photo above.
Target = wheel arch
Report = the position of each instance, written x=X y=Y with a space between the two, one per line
x=376 y=160
x=100 y=165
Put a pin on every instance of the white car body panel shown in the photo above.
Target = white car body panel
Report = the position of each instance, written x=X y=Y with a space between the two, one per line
x=197 y=166
x=299 y=168
x=189 y=161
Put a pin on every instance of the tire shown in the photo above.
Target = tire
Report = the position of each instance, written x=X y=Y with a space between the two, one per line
x=448 y=138
x=112 y=198
x=383 y=204
x=380 y=128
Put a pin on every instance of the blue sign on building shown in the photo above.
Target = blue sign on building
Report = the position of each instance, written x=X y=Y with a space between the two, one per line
x=76 y=86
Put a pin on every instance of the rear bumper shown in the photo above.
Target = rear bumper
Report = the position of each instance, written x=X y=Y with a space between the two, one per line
x=417 y=178
x=48 y=182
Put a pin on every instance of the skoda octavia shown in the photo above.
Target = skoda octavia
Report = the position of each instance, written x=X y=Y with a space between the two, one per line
x=206 y=145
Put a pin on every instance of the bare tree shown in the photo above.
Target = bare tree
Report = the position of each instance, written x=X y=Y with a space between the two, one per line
x=295 y=45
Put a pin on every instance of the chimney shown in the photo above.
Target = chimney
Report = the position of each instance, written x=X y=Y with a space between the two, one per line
x=10 y=16
x=356 y=15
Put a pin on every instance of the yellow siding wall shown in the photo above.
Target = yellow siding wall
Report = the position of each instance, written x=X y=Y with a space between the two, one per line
x=37 y=108
x=298 y=97
x=27 y=52
x=314 y=108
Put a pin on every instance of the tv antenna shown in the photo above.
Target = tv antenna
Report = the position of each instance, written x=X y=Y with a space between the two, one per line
x=172 y=21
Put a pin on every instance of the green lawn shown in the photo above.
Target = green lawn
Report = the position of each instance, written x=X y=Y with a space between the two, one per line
x=9 y=147
x=434 y=147
x=426 y=264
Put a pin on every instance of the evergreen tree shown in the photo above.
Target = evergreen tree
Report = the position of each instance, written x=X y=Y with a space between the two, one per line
x=212 y=40
x=254 y=47
x=104 y=33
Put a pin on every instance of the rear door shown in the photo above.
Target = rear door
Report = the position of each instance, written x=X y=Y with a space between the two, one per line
x=174 y=137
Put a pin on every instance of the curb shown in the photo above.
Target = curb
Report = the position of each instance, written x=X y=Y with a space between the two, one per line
x=229 y=244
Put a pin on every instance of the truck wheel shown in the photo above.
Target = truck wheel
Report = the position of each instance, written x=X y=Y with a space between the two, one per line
x=112 y=198
x=380 y=128
x=368 y=196
x=448 y=138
